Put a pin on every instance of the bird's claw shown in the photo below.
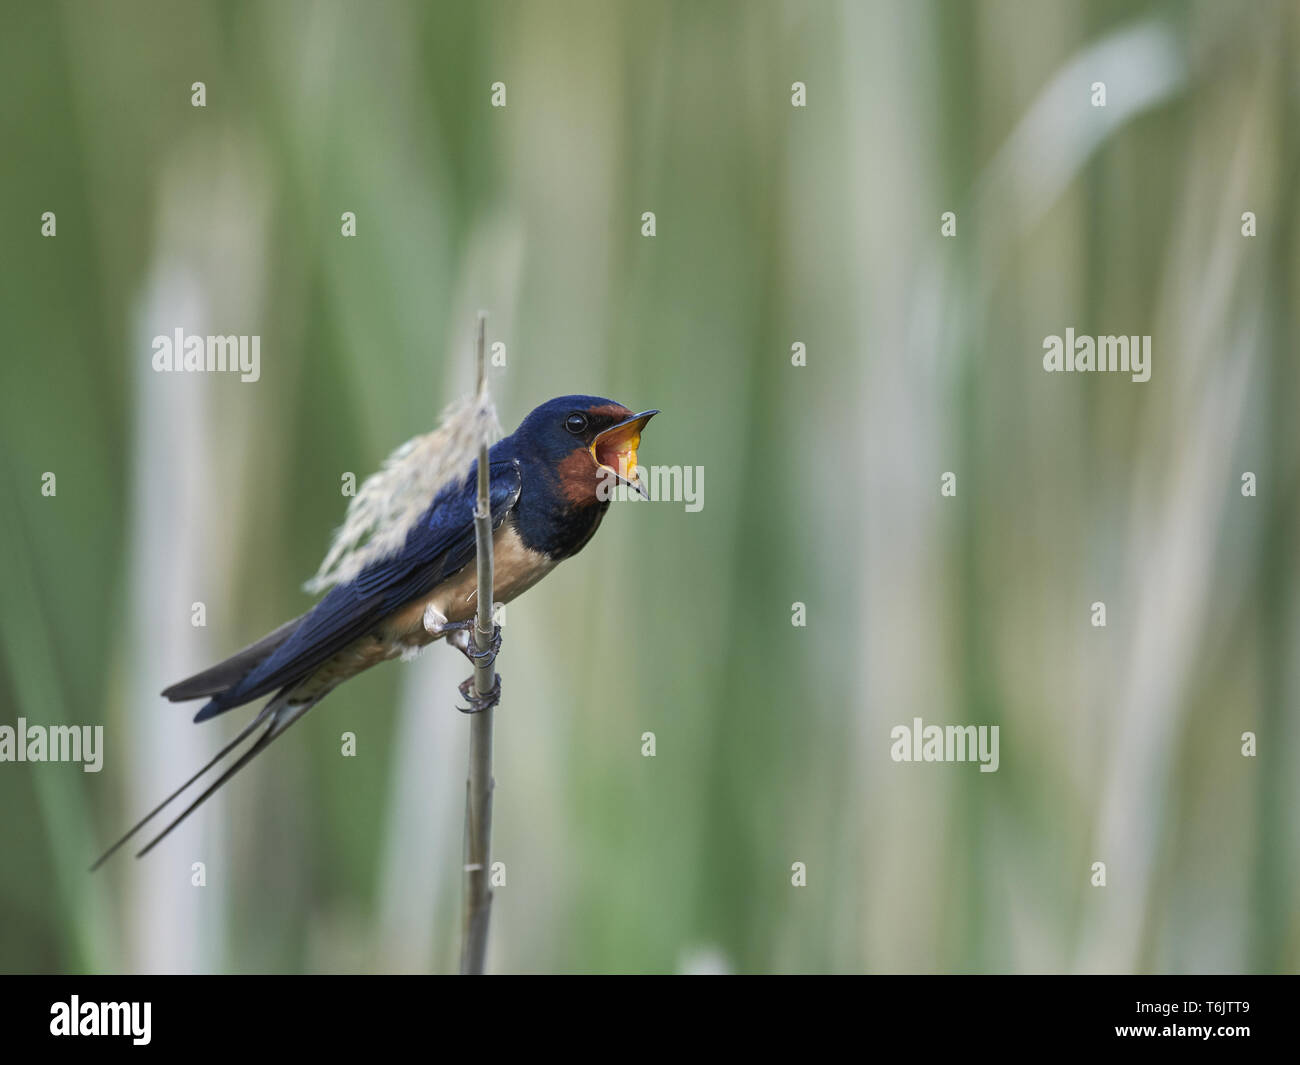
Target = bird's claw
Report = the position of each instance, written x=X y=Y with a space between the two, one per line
x=479 y=703
x=488 y=656
x=461 y=636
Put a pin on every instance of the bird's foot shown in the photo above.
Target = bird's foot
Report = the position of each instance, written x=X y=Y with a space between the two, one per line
x=479 y=703
x=460 y=635
x=487 y=656
x=463 y=640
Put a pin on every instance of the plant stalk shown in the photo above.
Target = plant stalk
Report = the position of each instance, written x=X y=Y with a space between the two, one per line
x=478 y=786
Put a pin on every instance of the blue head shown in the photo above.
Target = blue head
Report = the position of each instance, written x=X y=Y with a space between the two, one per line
x=583 y=440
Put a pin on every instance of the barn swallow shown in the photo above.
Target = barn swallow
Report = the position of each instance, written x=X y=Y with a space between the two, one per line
x=547 y=495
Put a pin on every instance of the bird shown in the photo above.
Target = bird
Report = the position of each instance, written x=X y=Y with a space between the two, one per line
x=402 y=572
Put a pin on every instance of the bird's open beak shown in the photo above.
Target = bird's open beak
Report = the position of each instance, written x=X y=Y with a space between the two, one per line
x=614 y=449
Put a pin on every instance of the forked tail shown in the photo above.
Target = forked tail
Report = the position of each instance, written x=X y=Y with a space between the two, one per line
x=279 y=714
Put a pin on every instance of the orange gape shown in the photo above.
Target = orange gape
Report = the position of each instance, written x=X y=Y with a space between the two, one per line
x=615 y=448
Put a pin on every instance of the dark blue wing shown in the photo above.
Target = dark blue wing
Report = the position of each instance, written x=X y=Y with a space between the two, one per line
x=439 y=544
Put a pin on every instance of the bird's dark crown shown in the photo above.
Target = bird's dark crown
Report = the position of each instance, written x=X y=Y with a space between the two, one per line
x=548 y=433
x=547 y=429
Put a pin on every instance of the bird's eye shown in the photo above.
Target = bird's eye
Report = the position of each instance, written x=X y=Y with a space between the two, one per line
x=575 y=423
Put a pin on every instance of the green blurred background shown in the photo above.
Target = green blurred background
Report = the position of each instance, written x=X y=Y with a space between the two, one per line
x=818 y=225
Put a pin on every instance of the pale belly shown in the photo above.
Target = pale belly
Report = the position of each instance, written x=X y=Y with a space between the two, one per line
x=515 y=570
